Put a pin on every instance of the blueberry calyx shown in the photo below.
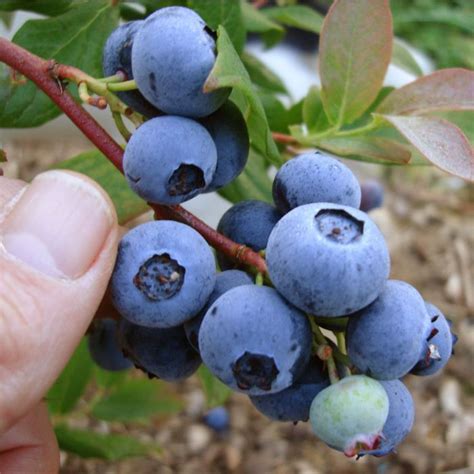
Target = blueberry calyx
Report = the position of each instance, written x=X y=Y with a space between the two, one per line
x=185 y=179
x=339 y=226
x=160 y=277
x=254 y=370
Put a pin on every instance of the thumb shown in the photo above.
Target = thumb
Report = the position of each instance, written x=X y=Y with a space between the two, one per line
x=58 y=239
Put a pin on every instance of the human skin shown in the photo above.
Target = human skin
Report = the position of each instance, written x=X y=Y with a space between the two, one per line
x=72 y=231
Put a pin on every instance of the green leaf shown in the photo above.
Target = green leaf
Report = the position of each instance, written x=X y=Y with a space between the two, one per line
x=444 y=16
x=295 y=113
x=367 y=117
x=444 y=33
x=402 y=57
x=438 y=141
x=275 y=111
x=261 y=75
x=98 y=167
x=129 y=12
x=461 y=48
x=76 y=37
x=447 y=89
x=256 y=22
x=298 y=16
x=153 y=5
x=3 y=156
x=252 y=183
x=112 y=447
x=223 y=12
x=136 y=400
x=70 y=385
x=229 y=71
x=108 y=379
x=7 y=19
x=216 y=392
x=46 y=7
x=313 y=111
x=355 y=51
x=367 y=148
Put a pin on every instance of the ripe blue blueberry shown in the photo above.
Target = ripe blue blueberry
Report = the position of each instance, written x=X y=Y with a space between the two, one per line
x=104 y=347
x=217 y=419
x=327 y=259
x=372 y=195
x=164 y=274
x=350 y=414
x=293 y=403
x=225 y=281
x=229 y=132
x=172 y=56
x=386 y=339
x=401 y=415
x=249 y=223
x=440 y=344
x=117 y=57
x=169 y=160
x=164 y=353
x=312 y=178
x=255 y=341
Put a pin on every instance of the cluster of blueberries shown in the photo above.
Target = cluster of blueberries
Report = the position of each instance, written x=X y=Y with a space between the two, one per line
x=193 y=141
x=327 y=261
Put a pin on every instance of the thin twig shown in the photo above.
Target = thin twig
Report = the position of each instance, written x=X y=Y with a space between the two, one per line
x=284 y=138
x=48 y=76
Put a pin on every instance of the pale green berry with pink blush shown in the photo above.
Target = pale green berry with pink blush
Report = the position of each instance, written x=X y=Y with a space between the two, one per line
x=349 y=415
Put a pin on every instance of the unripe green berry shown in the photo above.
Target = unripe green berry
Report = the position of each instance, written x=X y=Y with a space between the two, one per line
x=349 y=415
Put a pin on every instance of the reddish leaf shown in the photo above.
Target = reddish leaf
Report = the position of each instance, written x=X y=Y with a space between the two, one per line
x=447 y=89
x=355 y=51
x=439 y=141
x=368 y=147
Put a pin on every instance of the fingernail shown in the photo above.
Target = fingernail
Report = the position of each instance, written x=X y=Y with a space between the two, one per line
x=59 y=225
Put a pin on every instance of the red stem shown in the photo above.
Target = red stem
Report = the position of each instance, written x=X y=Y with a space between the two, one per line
x=236 y=251
x=284 y=138
x=47 y=76
x=41 y=72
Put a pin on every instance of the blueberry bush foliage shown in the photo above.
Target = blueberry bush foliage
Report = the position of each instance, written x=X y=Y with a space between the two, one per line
x=352 y=115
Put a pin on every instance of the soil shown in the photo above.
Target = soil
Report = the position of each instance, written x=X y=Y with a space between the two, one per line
x=428 y=219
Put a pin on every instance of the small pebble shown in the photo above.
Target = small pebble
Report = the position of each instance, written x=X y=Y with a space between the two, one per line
x=198 y=437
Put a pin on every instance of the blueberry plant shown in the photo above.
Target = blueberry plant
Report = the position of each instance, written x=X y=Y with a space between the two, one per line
x=300 y=260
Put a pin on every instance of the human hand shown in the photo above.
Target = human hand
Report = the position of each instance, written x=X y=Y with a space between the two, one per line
x=58 y=241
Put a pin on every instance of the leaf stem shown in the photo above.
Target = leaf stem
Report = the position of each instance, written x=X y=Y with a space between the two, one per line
x=322 y=343
x=119 y=123
x=336 y=132
x=341 y=341
x=96 y=101
x=122 y=86
x=343 y=358
x=341 y=344
x=374 y=124
x=119 y=77
x=332 y=370
x=49 y=76
x=100 y=88
x=326 y=133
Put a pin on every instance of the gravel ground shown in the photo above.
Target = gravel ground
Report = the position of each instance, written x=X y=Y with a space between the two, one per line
x=428 y=220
